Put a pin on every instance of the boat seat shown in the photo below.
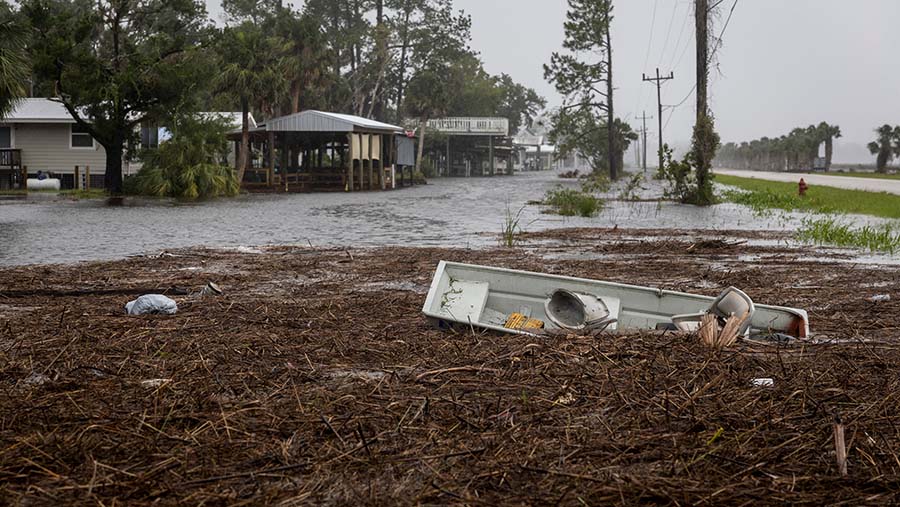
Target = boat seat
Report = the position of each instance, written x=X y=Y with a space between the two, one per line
x=732 y=301
x=580 y=311
x=466 y=300
x=688 y=322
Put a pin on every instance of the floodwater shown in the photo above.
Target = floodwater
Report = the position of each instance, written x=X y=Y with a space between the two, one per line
x=451 y=212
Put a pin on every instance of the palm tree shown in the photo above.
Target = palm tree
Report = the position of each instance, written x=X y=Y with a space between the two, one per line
x=624 y=136
x=250 y=71
x=884 y=146
x=427 y=96
x=14 y=69
x=744 y=154
x=307 y=58
x=829 y=133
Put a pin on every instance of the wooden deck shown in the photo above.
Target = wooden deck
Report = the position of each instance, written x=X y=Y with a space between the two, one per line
x=322 y=179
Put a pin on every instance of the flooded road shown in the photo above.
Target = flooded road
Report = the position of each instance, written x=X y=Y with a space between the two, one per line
x=454 y=212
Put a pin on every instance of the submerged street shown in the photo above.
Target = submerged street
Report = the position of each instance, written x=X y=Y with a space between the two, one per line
x=450 y=212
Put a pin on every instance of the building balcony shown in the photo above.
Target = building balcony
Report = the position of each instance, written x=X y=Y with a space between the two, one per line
x=471 y=126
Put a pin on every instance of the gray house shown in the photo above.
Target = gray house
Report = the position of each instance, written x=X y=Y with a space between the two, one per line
x=40 y=135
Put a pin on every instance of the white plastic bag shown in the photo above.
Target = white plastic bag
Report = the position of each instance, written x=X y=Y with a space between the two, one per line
x=150 y=304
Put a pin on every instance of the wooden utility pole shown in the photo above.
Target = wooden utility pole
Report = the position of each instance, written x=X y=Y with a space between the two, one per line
x=705 y=138
x=702 y=20
x=644 y=118
x=614 y=170
x=639 y=148
x=659 y=80
x=381 y=60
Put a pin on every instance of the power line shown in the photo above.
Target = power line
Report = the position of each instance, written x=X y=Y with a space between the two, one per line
x=722 y=33
x=718 y=45
x=671 y=114
x=716 y=5
x=676 y=106
x=652 y=28
x=687 y=16
x=665 y=45
x=649 y=47
x=686 y=47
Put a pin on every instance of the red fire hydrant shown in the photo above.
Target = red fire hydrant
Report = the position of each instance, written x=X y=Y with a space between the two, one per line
x=802 y=187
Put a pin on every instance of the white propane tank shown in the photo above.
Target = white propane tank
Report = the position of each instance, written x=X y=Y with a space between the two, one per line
x=46 y=184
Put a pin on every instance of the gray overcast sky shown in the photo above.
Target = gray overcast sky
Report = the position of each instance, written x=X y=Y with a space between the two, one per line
x=784 y=63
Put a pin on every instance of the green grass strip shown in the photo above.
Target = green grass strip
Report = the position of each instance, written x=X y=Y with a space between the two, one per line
x=829 y=231
x=762 y=195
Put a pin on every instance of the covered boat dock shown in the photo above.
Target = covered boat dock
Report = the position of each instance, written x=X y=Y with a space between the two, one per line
x=316 y=150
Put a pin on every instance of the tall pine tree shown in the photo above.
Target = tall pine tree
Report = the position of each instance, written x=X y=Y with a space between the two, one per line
x=586 y=82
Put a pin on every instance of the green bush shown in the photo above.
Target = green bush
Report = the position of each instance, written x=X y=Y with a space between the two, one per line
x=594 y=183
x=630 y=192
x=683 y=185
x=190 y=165
x=570 y=202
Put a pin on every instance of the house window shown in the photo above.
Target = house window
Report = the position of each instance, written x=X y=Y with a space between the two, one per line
x=5 y=137
x=149 y=137
x=80 y=138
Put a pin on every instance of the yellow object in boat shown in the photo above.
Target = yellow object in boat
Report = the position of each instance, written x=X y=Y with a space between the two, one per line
x=519 y=321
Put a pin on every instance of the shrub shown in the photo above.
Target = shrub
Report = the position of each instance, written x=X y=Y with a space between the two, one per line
x=683 y=185
x=630 y=190
x=570 y=202
x=595 y=183
x=190 y=165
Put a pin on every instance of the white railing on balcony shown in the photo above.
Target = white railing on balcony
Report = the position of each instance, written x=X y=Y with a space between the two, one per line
x=526 y=140
x=471 y=126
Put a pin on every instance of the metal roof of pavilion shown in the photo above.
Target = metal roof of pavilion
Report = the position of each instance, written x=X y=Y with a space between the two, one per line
x=320 y=121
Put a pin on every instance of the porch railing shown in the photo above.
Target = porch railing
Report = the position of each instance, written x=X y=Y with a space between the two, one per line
x=10 y=158
x=471 y=126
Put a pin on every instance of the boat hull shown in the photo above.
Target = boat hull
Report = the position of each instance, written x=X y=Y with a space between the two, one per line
x=480 y=296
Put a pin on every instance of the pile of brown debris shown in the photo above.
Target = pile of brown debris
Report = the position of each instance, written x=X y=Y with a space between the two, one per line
x=314 y=379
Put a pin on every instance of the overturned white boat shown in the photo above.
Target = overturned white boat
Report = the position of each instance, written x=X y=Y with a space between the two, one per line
x=523 y=302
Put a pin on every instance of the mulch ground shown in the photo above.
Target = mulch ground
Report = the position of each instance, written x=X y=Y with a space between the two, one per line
x=315 y=380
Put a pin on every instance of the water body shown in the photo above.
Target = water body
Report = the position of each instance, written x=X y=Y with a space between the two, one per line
x=454 y=212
